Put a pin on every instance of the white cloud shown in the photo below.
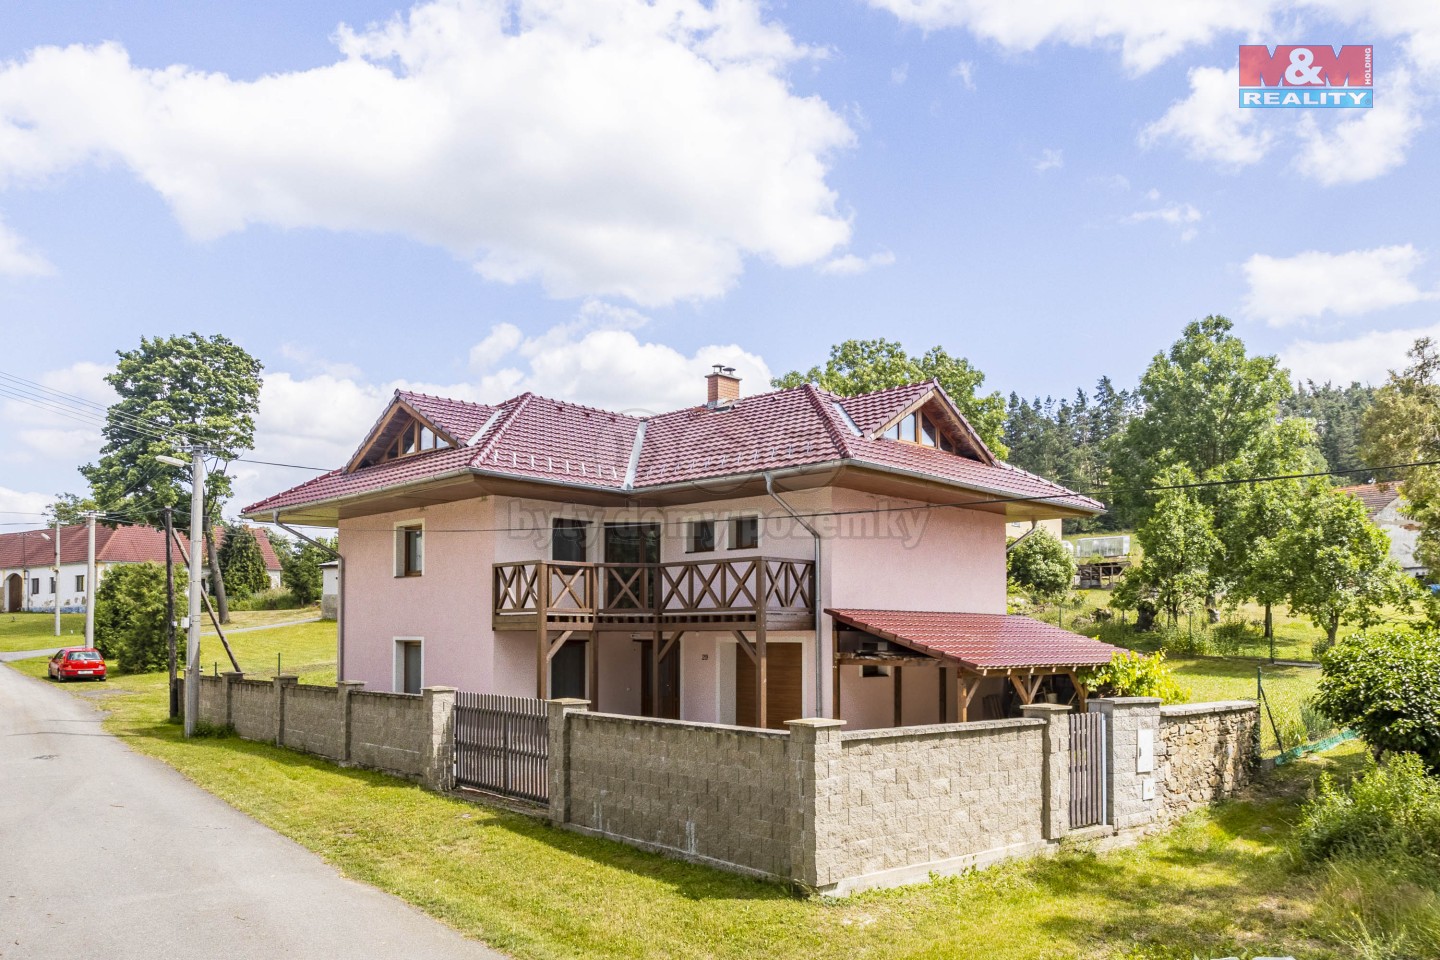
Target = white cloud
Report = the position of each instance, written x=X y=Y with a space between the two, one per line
x=613 y=147
x=1049 y=159
x=1147 y=33
x=1363 y=147
x=498 y=343
x=898 y=75
x=16 y=505
x=17 y=259
x=965 y=72
x=1284 y=290
x=1367 y=358
x=1182 y=216
x=1209 y=125
x=849 y=265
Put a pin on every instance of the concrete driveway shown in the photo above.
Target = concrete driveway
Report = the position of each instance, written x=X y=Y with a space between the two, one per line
x=105 y=853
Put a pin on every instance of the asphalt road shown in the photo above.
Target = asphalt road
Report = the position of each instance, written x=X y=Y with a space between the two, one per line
x=106 y=853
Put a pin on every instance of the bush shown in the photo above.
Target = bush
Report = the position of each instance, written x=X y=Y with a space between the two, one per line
x=1041 y=566
x=1383 y=684
x=1392 y=810
x=1182 y=642
x=1317 y=724
x=300 y=572
x=1233 y=637
x=1130 y=674
x=269 y=600
x=130 y=615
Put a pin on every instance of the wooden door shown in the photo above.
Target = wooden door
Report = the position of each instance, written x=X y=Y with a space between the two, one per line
x=782 y=683
x=669 y=682
x=567 y=670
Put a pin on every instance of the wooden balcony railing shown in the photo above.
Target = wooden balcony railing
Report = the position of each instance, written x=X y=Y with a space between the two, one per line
x=717 y=593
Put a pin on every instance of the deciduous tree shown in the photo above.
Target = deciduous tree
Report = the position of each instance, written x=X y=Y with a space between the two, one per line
x=175 y=392
x=864 y=366
x=1339 y=562
x=1041 y=566
x=1179 y=544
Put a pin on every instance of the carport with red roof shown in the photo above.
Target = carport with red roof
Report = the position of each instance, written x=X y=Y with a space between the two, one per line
x=974 y=646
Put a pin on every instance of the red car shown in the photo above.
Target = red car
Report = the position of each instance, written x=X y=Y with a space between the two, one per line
x=77 y=663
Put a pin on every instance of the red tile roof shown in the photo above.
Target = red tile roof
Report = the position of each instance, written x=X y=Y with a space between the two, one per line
x=980 y=641
x=533 y=437
x=1375 y=496
x=459 y=418
x=125 y=544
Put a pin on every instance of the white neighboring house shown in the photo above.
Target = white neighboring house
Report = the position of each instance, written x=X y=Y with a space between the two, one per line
x=27 y=562
x=1385 y=505
x=1017 y=529
x=330 y=589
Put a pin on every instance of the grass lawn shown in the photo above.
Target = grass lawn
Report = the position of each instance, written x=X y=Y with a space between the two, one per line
x=1212 y=678
x=307 y=649
x=36 y=631
x=1223 y=883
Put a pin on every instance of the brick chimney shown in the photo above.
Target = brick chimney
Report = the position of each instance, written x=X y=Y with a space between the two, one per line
x=722 y=387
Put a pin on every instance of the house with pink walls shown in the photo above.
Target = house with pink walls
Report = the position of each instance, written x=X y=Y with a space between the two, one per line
x=748 y=560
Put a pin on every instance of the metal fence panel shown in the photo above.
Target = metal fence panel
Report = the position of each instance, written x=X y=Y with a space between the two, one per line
x=502 y=744
x=1087 y=769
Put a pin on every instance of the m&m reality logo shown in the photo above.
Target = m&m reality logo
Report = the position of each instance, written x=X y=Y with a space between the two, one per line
x=1313 y=75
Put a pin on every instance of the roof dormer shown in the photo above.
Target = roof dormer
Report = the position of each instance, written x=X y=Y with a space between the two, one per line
x=931 y=420
x=402 y=431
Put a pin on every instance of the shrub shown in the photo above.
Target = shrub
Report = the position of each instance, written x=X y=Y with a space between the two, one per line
x=1232 y=637
x=1383 y=684
x=1130 y=674
x=1317 y=724
x=1392 y=810
x=269 y=600
x=1181 y=642
x=130 y=615
x=1040 y=565
x=300 y=572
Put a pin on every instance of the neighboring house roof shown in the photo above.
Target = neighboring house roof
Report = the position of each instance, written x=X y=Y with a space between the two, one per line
x=124 y=544
x=1375 y=496
x=129 y=543
x=535 y=438
x=980 y=641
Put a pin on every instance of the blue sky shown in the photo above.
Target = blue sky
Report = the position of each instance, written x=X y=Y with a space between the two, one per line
x=596 y=200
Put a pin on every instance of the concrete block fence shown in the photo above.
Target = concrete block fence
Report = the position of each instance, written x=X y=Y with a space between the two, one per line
x=840 y=812
x=816 y=806
x=402 y=734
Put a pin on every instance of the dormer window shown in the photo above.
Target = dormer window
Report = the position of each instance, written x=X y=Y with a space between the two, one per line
x=414 y=438
x=920 y=428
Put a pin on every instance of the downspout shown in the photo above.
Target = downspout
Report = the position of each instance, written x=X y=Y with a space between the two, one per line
x=1034 y=525
x=340 y=576
x=815 y=534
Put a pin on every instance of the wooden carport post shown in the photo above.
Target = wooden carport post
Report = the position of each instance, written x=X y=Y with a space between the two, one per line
x=966 y=683
x=761 y=682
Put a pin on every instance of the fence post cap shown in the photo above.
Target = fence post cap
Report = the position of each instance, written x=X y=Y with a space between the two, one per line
x=1044 y=709
x=438 y=689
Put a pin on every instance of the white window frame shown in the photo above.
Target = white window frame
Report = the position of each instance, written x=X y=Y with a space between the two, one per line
x=730 y=529
x=690 y=535
x=397 y=669
x=398 y=547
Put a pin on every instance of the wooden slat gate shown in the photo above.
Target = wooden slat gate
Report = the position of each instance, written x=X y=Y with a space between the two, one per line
x=502 y=744
x=1087 y=769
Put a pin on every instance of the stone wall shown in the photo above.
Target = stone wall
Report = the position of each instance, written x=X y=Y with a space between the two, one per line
x=1207 y=752
x=406 y=735
x=711 y=793
x=908 y=801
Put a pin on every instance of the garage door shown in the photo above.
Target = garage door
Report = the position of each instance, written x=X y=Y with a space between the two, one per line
x=782 y=683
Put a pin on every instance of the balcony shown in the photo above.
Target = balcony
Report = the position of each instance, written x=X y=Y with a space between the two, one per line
x=744 y=593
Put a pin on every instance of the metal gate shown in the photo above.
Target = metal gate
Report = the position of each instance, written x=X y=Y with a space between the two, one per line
x=502 y=744
x=1087 y=769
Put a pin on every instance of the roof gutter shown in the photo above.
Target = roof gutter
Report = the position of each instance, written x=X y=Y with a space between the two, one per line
x=340 y=600
x=814 y=590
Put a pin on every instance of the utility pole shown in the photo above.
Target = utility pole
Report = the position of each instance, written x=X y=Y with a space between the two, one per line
x=56 y=591
x=90 y=581
x=192 y=640
x=170 y=609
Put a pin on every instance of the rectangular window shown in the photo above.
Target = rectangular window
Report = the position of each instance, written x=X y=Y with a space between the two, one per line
x=52 y=584
x=569 y=540
x=744 y=533
x=702 y=536
x=409 y=666
x=79 y=583
x=34 y=586
x=409 y=550
x=874 y=670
